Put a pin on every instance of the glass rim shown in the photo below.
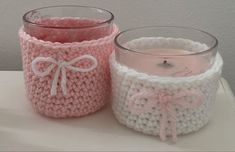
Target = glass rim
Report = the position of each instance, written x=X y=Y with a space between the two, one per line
x=109 y=20
x=116 y=41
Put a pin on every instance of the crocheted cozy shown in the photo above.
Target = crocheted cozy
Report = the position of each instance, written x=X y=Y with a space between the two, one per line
x=164 y=106
x=67 y=79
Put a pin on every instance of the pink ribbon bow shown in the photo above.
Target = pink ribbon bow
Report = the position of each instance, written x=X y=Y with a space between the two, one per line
x=167 y=102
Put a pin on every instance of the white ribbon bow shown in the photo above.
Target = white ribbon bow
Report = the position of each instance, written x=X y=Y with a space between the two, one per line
x=61 y=67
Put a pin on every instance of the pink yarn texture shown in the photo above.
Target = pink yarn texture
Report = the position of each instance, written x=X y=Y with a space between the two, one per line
x=84 y=92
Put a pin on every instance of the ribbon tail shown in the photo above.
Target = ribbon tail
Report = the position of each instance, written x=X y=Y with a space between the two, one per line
x=63 y=81
x=173 y=130
x=163 y=125
x=54 y=82
x=173 y=126
x=172 y=114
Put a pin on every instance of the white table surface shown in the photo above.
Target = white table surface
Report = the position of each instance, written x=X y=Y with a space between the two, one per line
x=22 y=129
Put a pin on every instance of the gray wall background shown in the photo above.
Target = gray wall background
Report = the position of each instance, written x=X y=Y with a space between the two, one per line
x=215 y=16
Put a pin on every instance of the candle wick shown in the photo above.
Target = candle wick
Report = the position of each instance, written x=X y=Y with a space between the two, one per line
x=165 y=64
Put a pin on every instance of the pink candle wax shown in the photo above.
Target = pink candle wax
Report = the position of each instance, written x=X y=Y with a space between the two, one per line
x=169 y=62
x=67 y=29
x=68 y=23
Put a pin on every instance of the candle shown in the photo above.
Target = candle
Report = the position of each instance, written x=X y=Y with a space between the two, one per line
x=65 y=51
x=164 y=79
x=166 y=65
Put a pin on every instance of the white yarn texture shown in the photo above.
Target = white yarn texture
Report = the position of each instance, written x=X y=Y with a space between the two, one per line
x=127 y=82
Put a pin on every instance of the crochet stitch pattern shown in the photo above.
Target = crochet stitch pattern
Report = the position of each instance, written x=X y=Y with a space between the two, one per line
x=163 y=106
x=67 y=79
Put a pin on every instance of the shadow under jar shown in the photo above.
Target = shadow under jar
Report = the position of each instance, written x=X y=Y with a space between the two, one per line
x=164 y=79
x=65 y=51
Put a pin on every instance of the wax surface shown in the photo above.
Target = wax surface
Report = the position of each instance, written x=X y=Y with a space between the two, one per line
x=66 y=30
x=165 y=64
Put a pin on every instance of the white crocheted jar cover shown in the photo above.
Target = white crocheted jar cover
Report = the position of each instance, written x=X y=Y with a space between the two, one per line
x=127 y=82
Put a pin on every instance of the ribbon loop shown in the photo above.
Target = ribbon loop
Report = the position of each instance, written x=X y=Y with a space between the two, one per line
x=61 y=68
x=47 y=70
x=167 y=103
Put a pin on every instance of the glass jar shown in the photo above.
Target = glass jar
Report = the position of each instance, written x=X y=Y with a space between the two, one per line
x=164 y=79
x=65 y=51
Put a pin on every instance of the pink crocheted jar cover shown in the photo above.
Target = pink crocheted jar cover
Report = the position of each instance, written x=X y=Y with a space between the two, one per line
x=87 y=91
